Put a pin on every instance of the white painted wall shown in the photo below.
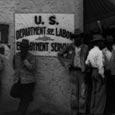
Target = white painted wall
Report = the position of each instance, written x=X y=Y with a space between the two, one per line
x=52 y=92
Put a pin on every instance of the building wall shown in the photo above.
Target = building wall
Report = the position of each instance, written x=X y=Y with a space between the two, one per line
x=52 y=91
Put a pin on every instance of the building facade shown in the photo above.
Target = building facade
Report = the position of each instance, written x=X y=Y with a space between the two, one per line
x=53 y=91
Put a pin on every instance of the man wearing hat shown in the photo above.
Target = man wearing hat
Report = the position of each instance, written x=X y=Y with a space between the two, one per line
x=95 y=60
x=109 y=53
x=111 y=82
x=79 y=52
x=25 y=66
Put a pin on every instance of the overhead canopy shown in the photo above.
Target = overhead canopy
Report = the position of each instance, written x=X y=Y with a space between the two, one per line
x=98 y=9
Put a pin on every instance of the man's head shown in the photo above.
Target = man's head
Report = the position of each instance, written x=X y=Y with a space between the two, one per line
x=77 y=39
x=24 y=45
x=77 y=42
x=98 y=40
x=109 y=42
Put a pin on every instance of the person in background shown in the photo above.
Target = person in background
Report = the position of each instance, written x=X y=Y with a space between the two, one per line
x=79 y=51
x=88 y=80
x=95 y=60
x=112 y=82
x=112 y=66
x=1 y=59
x=107 y=52
x=25 y=66
x=1 y=68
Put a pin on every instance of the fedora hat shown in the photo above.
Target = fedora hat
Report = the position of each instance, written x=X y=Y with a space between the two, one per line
x=80 y=35
x=24 y=43
x=77 y=34
x=97 y=37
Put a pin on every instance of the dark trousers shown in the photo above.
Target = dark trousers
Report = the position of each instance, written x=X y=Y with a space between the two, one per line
x=80 y=90
x=89 y=91
x=26 y=97
x=98 y=95
x=110 y=91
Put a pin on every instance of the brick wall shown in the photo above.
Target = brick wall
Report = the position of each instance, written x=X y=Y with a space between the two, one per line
x=52 y=91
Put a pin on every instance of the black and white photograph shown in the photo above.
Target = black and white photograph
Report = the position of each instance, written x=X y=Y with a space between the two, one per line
x=57 y=57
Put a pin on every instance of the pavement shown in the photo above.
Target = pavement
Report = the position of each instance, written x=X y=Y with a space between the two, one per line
x=35 y=113
x=32 y=113
x=15 y=113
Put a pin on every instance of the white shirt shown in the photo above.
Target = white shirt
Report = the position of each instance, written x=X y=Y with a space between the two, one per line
x=107 y=54
x=77 y=62
x=96 y=59
x=112 y=63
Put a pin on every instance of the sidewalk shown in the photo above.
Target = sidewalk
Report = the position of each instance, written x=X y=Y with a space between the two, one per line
x=32 y=113
x=15 y=113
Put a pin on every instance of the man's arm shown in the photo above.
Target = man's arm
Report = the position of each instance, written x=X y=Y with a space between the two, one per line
x=62 y=54
x=100 y=63
x=87 y=62
x=84 y=53
x=30 y=64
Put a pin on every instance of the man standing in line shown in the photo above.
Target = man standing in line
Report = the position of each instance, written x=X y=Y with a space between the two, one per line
x=25 y=66
x=107 y=51
x=112 y=85
x=79 y=52
x=95 y=59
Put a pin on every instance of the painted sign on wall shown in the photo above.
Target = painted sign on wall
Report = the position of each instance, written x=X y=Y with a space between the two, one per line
x=47 y=33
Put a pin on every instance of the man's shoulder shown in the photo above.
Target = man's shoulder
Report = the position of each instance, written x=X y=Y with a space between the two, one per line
x=71 y=46
x=31 y=56
x=93 y=51
x=84 y=47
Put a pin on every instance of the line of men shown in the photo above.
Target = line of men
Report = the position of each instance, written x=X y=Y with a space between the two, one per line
x=92 y=64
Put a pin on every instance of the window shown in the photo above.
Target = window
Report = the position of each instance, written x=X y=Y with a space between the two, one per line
x=4 y=31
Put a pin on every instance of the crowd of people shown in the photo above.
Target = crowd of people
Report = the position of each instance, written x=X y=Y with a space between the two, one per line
x=92 y=65
x=92 y=68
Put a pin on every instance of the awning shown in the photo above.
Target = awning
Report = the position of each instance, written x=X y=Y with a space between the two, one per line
x=98 y=9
